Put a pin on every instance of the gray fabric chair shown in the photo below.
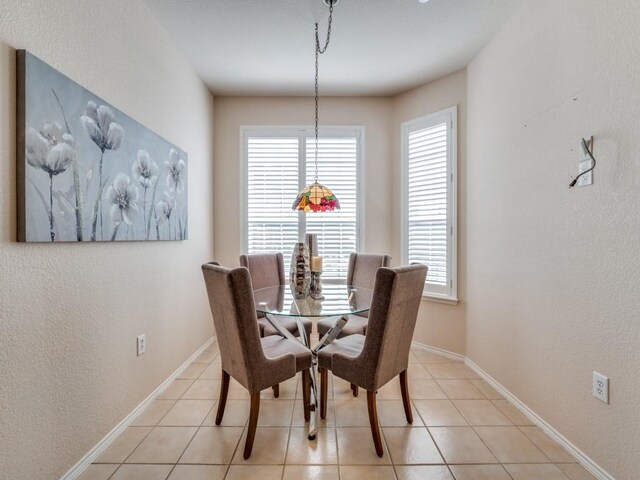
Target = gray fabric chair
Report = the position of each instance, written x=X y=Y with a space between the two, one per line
x=256 y=363
x=267 y=270
x=361 y=273
x=373 y=360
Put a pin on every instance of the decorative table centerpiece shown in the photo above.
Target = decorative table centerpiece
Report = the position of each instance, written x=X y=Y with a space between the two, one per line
x=300 y=272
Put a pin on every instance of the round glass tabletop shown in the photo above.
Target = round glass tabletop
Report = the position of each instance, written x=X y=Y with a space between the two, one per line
x=338 y=300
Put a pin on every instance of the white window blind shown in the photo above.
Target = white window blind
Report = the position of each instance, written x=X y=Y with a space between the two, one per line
x=337 y=230
x=279 y=162
x=429 y=199
x=272 y=184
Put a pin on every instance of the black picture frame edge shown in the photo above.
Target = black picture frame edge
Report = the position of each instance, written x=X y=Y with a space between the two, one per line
x=21 y=90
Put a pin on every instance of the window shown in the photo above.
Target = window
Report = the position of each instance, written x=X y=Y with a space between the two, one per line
x=429 y=200
x=278 y=162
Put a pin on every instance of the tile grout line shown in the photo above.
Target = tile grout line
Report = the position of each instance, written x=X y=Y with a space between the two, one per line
x=384 y=440
x=447 y=464
x=153 y=427
x=392 y=463
x=474 y=430
x=286 y=449
x=131 y=452
x=201 y=423
x=335 y=420
x=197 y=429
x=433 y=440
x=114 y=472
x=507 y=426
x=194 y=434
x=235 y=450
x=244 y=429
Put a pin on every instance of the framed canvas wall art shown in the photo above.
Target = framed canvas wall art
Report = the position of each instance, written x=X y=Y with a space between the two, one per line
x=88 y=172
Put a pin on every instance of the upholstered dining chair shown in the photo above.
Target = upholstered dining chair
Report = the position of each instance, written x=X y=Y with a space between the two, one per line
x=256 y=363
x=373 y=360
x=361 y=273
x=267 y=270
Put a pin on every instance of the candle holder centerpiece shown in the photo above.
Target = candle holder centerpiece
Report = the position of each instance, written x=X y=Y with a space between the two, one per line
x=315 y=287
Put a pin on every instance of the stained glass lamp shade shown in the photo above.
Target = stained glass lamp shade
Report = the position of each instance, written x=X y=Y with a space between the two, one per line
x=316 y=198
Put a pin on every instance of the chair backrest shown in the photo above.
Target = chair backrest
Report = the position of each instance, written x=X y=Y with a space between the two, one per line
x=234 y=318
x=266 y=270
x=392 y=319
x=362 y=270
x=363 y=267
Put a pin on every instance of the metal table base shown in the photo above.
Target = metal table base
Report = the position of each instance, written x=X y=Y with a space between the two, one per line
x=329 y=337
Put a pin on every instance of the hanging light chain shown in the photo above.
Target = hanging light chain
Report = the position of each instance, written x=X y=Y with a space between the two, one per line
x=320 y=51
x=316 y=197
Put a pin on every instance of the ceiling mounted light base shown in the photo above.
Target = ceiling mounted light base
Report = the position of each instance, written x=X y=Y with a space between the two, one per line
x=331 y=3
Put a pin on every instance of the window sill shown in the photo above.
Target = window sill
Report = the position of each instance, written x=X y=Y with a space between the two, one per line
x=438 y=299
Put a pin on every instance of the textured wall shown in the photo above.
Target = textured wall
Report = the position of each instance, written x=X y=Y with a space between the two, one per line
x=69 y=314
x=232 y=112
x=552 y=273
x=439 y=325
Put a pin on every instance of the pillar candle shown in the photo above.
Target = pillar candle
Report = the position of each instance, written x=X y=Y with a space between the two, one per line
x=316 y=264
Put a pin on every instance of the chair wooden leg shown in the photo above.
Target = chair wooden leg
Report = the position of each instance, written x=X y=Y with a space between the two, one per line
x=324 y=379
x=222 y=402
x=404 y=387
x=276 y=390
x=306 y=394
x=373 y=421
x=354 y=389
x=253 y=423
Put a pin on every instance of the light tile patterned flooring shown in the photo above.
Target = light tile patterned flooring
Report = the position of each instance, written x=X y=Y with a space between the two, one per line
x=462 y=430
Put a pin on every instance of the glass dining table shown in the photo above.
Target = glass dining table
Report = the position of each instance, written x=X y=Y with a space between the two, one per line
x=337 y=302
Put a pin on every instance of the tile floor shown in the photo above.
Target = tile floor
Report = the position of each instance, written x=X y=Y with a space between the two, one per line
x=462 y=430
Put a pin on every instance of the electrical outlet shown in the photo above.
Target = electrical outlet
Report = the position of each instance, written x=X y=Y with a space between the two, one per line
x=585 y=164
x=142 y=344
x=601 y=387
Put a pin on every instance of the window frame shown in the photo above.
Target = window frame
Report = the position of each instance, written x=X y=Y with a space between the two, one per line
x=448 y=115
x=301 y=132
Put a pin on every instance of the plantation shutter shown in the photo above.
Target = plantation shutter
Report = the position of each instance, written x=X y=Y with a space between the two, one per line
x=272 y=185
x=337 y=230
x=279 y=162
x=429 y=180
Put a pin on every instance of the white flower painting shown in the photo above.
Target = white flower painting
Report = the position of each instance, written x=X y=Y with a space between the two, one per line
x=88 y=172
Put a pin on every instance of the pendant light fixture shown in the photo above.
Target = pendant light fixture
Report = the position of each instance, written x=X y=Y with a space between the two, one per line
x=316 y=197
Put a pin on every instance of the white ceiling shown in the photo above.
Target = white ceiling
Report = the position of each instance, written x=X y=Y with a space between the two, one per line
x=378 y=47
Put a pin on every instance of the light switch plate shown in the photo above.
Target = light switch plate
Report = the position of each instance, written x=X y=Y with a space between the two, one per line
x=585 y=164
x=586 y=179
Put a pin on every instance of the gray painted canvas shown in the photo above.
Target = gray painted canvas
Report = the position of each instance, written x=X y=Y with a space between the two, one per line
x=88 y=172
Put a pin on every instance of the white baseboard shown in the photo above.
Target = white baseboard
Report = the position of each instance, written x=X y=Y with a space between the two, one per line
x=75 y=471
x=580 y=456
x=440 y=351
